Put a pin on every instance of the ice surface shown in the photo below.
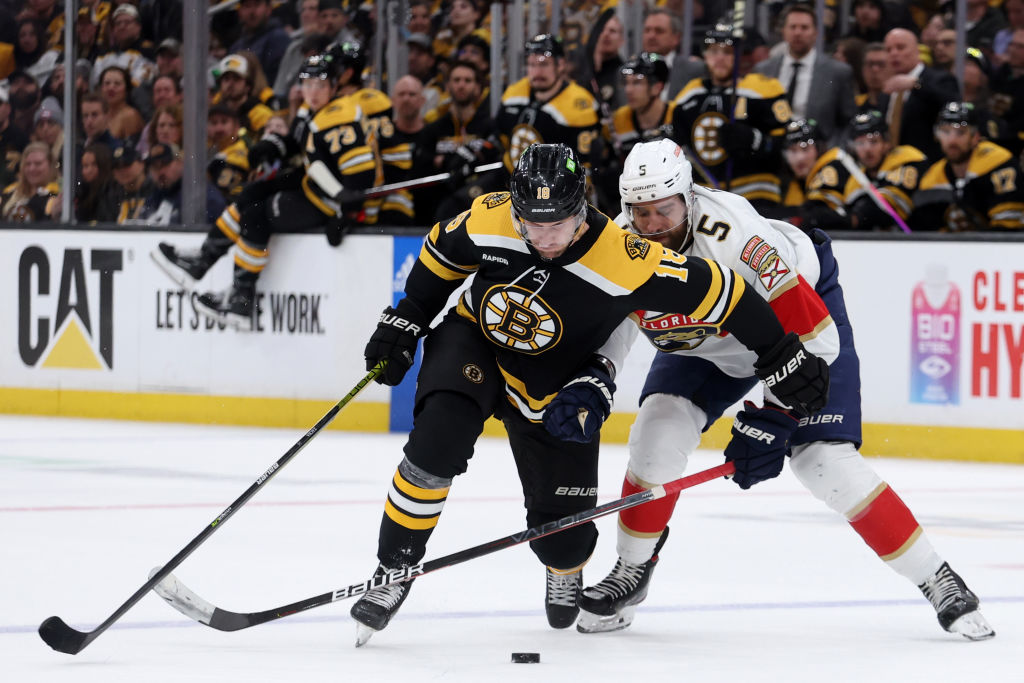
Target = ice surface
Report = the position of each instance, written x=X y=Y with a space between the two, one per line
x=763 y=585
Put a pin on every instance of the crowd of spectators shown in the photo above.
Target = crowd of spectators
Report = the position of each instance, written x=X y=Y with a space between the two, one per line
x=894 y=59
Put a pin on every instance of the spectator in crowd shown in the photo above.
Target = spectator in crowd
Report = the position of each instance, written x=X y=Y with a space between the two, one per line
x=930 y=35
x=167 y=126
x=49 y=14
x=420 y=13
x=260 y=85
x=917 y=94
x=1008 y=92
x=423 y=65
x=128 y=49
x=334 y=22
x=295 y=53
x=235 y=89
x=983 y=23
x=49 y=128
x=31 y=52
x=873 y=19
x=54 y=85
x=977 y=74
x=165 y=166
x=124 y=120
x=262 y=35
x=166 y=92
x=874 y=74
x=33 y=197
x=95 y=121
x=944 y=50
x=228 y=153
x=83 y=76
x=25 y=98
x=463 y=18
x=132 y=184
x=169 y=61
x=476 y=48
x=850 y=51
x=817 y=86
x=597 y=65
x=87 y=33
x=12 y=141
x=975 y=185
x=662 y=31
x=96 y=194
x=1001 y=43
x=401 y=150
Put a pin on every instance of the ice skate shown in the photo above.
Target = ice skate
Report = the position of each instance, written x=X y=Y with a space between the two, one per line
x=955 y=604
x=185 y=268
x=374 y=610
x=610 y=605
x=235 y=308
x=561 y=601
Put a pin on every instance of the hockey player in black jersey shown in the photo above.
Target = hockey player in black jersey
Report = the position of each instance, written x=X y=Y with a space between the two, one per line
x=645 y=116
x=554 y=279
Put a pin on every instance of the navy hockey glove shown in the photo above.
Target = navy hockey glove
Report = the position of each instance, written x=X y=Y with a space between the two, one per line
x=795 y=376
x=577 y=412
x=760 y=443
x=739 y=138
x=394 y=340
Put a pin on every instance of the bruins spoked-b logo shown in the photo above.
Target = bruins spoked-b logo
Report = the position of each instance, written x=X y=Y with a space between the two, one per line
x=637 y=247
x=705 y=137
x=514 y=317
x=473 y=373
x=496 y=199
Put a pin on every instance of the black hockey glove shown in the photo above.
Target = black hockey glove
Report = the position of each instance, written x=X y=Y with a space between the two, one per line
x=394 y=340
x=760 y=443
x=820 y=215
x=865 y=214
x=460 y=165
x=271 y=148
x=795 y=376
x=577 y=412
x=739 y=138
x=335 y=229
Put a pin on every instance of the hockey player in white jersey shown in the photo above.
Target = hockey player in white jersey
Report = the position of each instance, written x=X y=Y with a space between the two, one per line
x=700 y=372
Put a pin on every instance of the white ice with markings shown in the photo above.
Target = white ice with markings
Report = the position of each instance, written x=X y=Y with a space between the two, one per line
x=761 y=585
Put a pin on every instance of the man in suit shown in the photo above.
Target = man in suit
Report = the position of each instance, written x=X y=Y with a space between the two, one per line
x=818 y=87
x=662 y=32
x=917 y=93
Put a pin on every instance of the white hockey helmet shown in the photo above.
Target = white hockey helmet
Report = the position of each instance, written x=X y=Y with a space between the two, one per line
x=655 y=170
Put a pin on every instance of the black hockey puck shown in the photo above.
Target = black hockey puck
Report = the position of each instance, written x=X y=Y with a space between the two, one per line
x=526 y=658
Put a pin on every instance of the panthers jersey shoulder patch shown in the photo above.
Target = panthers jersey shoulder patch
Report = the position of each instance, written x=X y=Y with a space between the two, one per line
x=637 y=247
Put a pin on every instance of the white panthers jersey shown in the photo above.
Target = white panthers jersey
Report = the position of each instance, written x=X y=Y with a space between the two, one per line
x=775 y=258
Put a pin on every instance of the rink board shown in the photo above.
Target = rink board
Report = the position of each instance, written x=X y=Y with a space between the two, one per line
x=93 y=328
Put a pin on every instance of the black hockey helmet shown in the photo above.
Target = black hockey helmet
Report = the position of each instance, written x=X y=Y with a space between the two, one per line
x=321 y=67
x=545 y=44
x=719 y=34
x=958 y=114
x=548 y=184
x=648 y=65
x=348 y=55
x=870 y=122
x=801 y=132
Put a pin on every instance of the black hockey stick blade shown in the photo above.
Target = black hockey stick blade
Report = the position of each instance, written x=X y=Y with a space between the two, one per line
x=62 y=638
x=182 y=598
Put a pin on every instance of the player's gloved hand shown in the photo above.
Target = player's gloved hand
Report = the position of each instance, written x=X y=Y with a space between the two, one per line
x=335 y=229
x=819 y=215
x=460 y=165
x=866 y=215
x=739 y=138
x=760 y=442
x=577 y=412
x=270 y=148
x=395 y=339
x=794 y=375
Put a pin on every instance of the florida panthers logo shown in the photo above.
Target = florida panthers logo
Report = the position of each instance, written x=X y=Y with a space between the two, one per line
x=516 y=318
x=676 y=332
x=705 y=138
x=523 y=135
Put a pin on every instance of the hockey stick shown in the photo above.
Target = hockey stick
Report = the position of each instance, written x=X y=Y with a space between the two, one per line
x=701 y=168
x=62 y=638
x=846 y=160
x=382 y=190
x=183 y=599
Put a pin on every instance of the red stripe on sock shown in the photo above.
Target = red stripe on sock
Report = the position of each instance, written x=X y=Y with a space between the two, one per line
x=649 y=518
x=886 y=523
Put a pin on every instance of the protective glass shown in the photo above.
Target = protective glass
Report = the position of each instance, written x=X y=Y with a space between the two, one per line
x=659 y=217
x=549 y=236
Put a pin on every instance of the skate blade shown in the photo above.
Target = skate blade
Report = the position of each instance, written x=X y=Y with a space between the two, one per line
x=363 y=634
x=598 y=623
x=209 y=313
x=178 y=276
x=240 y=323
x=972 y=626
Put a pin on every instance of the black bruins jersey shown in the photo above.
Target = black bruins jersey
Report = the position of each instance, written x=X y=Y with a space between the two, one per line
x=337 y=138
x=701 y=108
x=988 y=197
x=376 y=111
x=31 y=209
x=627 y=132
x=253 y=112
x=546 y=317
x=570 y=117
x=403 y=159
x=229 y=169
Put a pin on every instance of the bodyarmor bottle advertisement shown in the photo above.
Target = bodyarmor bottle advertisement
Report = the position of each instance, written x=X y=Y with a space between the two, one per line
x=935 y=339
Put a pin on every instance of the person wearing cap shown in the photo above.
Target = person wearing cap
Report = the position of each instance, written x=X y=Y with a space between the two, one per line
x=976 y=185
x=817 y=86
x=228 y=154
x=169 y=61
x=464 y=17
x=262 y=35
x=35 y=195
x=546 y=107
x=235 y=90
x=736 y=139
x=24 y=95
x=162 y=206
x=128 y=49
x=12 y=141
x=133 y=183
x=49 y=127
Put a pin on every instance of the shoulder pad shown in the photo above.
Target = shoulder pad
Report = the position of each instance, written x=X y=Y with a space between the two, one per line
x=765 y=86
